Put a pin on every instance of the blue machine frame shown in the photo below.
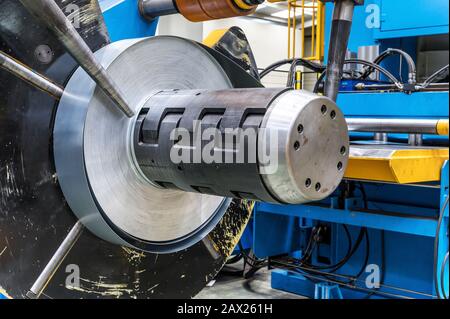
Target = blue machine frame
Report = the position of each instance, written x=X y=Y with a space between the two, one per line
x=403 y=219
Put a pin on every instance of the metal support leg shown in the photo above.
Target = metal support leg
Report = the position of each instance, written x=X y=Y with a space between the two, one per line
x=28 y=75
x=54 y=263
x=48 y=12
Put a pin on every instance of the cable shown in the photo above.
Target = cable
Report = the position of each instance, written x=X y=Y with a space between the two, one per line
x=439 y=74
x=444 y=262
x=436 y=248
x=316 y=67
x=380 y=69
x=389 y=52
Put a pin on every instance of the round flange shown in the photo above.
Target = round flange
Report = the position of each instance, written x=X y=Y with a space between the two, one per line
x=94 y=155
x=312 y=147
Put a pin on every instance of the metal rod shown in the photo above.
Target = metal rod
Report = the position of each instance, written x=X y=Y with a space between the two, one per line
x=340 y=34
x=48 y=12
x=28 y=75
x=407 y=126
x=152 y=9
x=54 y=263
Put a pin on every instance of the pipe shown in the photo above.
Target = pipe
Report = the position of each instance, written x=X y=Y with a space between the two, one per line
x=407 y=126
x=152 y=9
x=340 y=33
x=28 y=75
x=48 y=12
x=56 y=260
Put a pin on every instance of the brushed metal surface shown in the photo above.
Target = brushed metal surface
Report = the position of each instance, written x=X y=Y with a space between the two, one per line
x=124 y=200
x=312 y=150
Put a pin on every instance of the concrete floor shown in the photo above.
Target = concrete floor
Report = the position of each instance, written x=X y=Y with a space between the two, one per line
x=258 y=287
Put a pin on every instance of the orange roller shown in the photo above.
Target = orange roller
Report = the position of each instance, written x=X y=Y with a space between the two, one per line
x=203 y=10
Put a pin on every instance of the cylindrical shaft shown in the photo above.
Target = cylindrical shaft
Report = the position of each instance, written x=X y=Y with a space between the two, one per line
x=48 y=12
x=54 y=263
x=407 y=126
x=152 y=9
x=27 y=74
x=340 y=33
x=272 y=145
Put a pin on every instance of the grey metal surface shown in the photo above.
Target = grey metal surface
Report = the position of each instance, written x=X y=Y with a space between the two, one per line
x=343 y=10
x=48 y=12
x=379 y=125
x=56 y=260
x=231 y=169
x=369 y=53
x=25 y=73
x=152 y=9
x=313 y=146
x=340 y=34
x=109 y=193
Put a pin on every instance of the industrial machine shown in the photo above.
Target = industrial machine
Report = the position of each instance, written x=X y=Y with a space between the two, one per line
x=109 y=187
x=389 y=218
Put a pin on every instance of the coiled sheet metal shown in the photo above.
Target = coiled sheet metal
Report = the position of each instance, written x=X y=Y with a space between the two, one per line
x=96 y=162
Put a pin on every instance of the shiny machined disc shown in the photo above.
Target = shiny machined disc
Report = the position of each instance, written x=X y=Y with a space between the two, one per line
x=123 y=206
x=312 y=148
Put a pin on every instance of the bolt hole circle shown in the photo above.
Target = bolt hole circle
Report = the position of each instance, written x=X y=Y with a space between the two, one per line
x=324 y=109
x=308 y=183
x=300 y=128
x=318 y=187
x=296 y=145
x=340 y=166
x=333 y=114
x=343 y=150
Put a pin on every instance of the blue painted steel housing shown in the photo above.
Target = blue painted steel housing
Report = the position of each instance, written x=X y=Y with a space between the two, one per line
x=406 y=215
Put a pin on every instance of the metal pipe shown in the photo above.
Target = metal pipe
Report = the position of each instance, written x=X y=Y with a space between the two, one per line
x=56 y=260
x=28 y=75
x=415 y=139
x=340 y=34
x=48 y=12
x=407 y=126
x=152 y=9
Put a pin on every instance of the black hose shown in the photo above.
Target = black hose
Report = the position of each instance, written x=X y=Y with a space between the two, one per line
x=382 y=70
x=390 y=52
x=313 y=66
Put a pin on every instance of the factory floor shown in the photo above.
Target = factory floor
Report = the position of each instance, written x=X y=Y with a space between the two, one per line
x=232 y=287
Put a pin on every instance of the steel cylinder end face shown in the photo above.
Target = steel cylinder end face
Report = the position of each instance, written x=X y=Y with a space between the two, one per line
x=310 y=150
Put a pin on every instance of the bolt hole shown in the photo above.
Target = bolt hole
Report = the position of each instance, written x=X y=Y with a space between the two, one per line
x=333 y=115
x=343 y=150
x=340 y=166
x=297 y=145
x=318 y=187
x=308 y=183
x=300 y=129
x=324 y=109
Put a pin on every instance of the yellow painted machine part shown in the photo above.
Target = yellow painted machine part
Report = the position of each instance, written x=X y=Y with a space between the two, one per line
x=404 y=166
x=241 y=4
x=214 y=37
x=442 y=127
